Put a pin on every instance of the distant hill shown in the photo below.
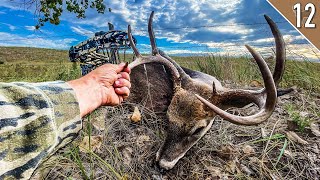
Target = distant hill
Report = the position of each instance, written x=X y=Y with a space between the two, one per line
x=27 y=54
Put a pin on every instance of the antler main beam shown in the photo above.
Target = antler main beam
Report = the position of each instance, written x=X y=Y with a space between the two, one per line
x=266 y=108
x=265 y=98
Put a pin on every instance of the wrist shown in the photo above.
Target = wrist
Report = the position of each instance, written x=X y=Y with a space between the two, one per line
x=88 y=93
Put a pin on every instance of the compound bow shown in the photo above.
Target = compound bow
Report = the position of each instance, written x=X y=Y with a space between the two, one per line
x=102 y=48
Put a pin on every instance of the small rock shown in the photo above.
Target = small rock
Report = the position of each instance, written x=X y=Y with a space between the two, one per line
x=315 y=149
x=247 y=149
x=274 y=176
x=99 y=123
x=142 y=139
x=254 y=159
x=227 y=151
x=246 y=170
x=127 y=155
x=263 y=133
x=136 y=116
x=156 y=177
x=315 y=129
x=97 y=119
x=255 y=83
x=231 y=166
x=303 y=114
x=215 y=172
x=95 y=142
x=287 y=153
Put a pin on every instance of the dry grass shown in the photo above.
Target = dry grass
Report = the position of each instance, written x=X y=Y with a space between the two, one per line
x=128 y=150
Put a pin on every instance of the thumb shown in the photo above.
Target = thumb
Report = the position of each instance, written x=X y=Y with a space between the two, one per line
x=121 y=66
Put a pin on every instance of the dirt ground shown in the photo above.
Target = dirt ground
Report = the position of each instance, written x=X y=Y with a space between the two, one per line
x=284 y=147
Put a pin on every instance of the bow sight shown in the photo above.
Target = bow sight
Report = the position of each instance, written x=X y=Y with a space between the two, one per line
x=101 y=49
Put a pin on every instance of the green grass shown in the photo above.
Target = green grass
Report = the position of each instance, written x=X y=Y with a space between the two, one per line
x=244 y=70
x=301 y=121
x=36 y=65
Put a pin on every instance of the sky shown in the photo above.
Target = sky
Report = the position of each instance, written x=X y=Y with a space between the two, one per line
x=182 y=27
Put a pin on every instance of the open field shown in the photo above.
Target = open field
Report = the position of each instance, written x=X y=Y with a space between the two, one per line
x=36 y=65
x=127 y=150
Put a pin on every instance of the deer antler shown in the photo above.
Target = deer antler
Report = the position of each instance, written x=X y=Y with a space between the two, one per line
x=155 y=58
x=156 y=51
x=265 y=98
x=280 y=51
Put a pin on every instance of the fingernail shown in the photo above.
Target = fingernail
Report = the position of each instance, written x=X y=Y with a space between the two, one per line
x=117 y=82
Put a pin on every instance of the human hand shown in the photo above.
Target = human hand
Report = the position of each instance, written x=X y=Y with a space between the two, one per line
x=107 y=85
x=114 y=83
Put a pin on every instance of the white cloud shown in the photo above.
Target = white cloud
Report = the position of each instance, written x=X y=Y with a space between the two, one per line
x=263 y=40
x=294 y=51
x=238 y=29
x=183 y=51
x=302 y=52
x=30 y=28
x=169 y=14
x=82 y=31
x=290 y=38
x=11 y=27
x=8 y=39
x=39 y=31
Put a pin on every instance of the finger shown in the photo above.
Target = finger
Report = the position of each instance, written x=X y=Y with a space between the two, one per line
x=127 y=70
x=120 y=99
x=124 y=75
x=126 y=65
x=120 y=67
x=123 y=91
x=122 y=83
x=125 y=97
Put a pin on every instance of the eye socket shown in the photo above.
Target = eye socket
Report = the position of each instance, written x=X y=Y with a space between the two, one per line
x=198 y=131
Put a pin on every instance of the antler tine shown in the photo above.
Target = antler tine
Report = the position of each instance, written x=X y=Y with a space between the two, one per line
x=280 y=51
x=133 y=46
x=265 y=108
x=153 y=59
x=270 y=87
x=182 y=73
x=154 y=50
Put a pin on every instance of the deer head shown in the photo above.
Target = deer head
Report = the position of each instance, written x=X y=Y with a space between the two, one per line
x=197 y=100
